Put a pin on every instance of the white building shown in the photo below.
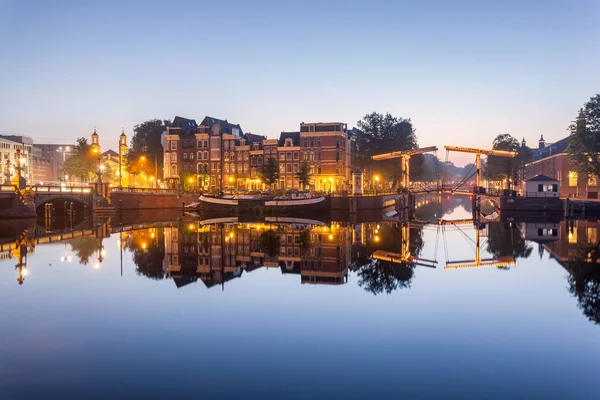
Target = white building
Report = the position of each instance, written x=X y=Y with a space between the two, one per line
x=541 y=186
x=8 y=156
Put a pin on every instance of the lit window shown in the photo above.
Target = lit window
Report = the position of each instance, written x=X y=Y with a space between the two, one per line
x=572 y=178
x=573 y=236
x=592 y=235
x=592 y=180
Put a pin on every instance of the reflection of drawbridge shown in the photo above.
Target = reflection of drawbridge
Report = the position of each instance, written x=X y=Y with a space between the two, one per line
x=405 y=256
x=478 y=261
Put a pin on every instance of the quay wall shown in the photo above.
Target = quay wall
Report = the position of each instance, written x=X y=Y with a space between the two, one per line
x=12 y=207
x=145 y=201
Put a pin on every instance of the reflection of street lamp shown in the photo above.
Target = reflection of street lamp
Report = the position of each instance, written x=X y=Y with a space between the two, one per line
x=65 y=257
x=330 y=184
x=376 y=183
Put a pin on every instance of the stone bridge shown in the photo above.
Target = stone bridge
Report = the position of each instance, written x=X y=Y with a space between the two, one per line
x=81 y=197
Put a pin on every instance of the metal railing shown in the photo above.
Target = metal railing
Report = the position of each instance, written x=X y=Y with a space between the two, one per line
x=540 y=194
x=59 y=189
x=8 y=188
x=143 y=190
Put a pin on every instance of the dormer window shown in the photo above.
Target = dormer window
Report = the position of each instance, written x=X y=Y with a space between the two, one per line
x=255 y=146
x=288 y=142
x=242 y=142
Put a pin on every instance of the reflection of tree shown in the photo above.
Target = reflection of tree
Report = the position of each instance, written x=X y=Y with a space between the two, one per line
x=584 y=282
x=377 y=276
x=269 y=242
x=304 y=242
x=383 y=276
x=504 y=240
x=84 y=247
x=149 y=261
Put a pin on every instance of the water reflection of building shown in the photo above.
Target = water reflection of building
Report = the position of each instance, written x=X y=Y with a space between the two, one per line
x=541 y=233
x=572 y=236
x=218 y=253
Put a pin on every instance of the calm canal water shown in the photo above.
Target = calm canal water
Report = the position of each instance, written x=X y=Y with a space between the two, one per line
x=295 y=309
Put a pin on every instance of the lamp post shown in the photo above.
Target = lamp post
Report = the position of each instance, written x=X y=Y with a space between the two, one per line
x=8 y=170
x=18 y=179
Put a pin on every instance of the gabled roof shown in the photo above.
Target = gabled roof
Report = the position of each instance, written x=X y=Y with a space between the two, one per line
x=252 y=138
x=226 y=127
x=551 y=150
x=186 y=125
x=284 y=135
x=541 y=178
x=111 y=153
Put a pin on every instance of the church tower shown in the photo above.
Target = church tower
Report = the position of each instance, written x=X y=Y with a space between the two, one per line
x=542 y=142
x=95 y=146
x=123 y=175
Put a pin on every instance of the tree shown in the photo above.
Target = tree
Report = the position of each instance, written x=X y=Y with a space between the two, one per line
x=584 y=141
x=500 y=168
x=82 y=163
x=146 y=142
x=188 y=181
x=378 y=133
x=304 y=174
x=269 y=171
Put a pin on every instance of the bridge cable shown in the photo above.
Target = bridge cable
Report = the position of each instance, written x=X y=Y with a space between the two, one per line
x=437 y=170
x=445 y=243
x=445 y=169
x=463 y=181
x=467 y=237
x=437 y=240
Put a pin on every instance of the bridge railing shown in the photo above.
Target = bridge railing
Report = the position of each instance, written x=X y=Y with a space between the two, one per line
x=143 y=190
x=59 y=189
x=8 y=188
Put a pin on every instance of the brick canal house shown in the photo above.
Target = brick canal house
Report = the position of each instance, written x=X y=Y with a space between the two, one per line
x=552 y=160
x=217 y=155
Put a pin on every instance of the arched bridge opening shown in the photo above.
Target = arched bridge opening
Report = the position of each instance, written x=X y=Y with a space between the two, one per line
x=64 y=206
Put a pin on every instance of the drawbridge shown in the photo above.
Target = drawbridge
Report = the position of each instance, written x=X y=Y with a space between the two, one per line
x=464 y=186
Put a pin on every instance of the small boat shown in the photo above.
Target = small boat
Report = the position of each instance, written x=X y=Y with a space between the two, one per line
x=236 y=205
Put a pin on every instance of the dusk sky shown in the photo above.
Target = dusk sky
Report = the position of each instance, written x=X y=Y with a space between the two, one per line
x=463 y=71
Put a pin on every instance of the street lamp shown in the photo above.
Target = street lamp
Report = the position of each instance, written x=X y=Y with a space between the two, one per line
x=376 y=183
x=100 y=171
x=330 y=184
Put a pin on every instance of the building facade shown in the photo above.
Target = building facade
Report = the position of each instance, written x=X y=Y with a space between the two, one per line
x=8 y=153
x=216 y=155
x=42 y=167
x=56 y=154
x=553 y=161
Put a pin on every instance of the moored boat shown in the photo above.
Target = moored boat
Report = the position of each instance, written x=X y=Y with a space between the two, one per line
x=241 y=204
